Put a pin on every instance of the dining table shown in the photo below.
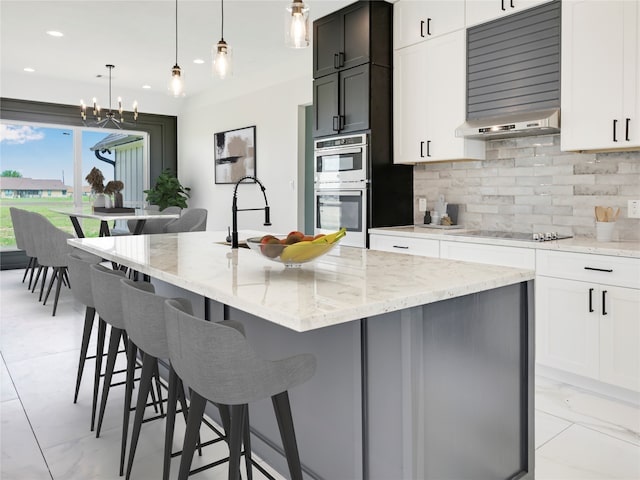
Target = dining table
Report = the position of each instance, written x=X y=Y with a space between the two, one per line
x=139 y=215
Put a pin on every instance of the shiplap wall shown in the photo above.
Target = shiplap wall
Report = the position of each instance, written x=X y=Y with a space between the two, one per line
x=528 y=185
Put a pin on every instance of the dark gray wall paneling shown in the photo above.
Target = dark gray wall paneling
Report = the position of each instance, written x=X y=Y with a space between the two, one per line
x=513 y=63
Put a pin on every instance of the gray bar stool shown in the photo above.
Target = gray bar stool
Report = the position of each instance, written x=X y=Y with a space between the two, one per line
x=105 y=285
x=143 y=314
x=80 y=276
x=220 y=366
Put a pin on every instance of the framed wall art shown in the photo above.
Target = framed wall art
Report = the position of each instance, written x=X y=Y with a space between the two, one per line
x=235 y=154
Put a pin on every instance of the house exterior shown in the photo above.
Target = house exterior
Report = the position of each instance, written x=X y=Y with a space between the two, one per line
x=129 y=164
x=20 y=187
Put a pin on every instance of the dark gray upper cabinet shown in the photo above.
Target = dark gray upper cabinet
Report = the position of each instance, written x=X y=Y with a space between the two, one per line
x=341 y=102
x=344 y=39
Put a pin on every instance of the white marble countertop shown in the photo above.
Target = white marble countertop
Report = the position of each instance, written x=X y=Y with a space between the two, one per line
x=577 y=244
x=345 y=284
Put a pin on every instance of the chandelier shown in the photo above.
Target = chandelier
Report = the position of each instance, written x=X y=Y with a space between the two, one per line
x=116 y=117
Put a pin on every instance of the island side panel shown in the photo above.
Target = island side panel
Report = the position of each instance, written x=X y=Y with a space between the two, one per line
x=453 y=382
x=326 y=410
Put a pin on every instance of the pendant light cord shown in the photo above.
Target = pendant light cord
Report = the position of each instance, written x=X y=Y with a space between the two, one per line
x=176 y=32
x=222 y=21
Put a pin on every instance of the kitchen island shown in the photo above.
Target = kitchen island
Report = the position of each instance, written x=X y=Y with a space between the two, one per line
x=425 y=366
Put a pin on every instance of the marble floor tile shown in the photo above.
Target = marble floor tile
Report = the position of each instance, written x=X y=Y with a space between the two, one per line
x=581 y=453
x=606 y=415
x=21 y=455
x=7 y=391
x=548 y=427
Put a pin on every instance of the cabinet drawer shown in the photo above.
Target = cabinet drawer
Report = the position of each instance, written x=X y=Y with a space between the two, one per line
x=603 y=269
x=490 y=254
x=410 y=246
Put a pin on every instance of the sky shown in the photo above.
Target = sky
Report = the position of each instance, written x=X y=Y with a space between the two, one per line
x=47 y=153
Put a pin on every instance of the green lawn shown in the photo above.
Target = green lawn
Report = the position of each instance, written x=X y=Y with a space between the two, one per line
x=42 y=206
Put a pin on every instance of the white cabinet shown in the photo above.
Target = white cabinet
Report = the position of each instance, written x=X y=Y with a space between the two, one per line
x=516 y=257
x=588 y=328
x=429 y=102
x=418 y=20
x=407 y=245
x=600 y=75
x=480 y=11
x=566 y=330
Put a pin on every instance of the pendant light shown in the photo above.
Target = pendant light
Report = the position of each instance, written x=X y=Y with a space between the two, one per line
x=296 y=32
x=222 y=55
x=176 y=84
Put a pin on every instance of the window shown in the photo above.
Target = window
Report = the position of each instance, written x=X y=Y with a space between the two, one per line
x=45 y=167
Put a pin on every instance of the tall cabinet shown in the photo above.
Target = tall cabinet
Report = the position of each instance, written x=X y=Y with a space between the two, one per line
x=600 y=75
x=352 y=92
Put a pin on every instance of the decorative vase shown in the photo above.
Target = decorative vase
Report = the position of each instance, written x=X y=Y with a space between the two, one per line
x=107 y=201
x=117 y=200
x=99 y=201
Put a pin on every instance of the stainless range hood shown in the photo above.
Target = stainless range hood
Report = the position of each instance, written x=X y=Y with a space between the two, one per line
x=517 y=125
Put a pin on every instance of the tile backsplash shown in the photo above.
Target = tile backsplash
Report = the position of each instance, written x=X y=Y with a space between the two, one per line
x=528 y=185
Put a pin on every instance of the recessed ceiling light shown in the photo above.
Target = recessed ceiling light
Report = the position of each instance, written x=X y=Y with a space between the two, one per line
x=198 y=61
x=146 y=86
x=29 y=69
x=55 y=33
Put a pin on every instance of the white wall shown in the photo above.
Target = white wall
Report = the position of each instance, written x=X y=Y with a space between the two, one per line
x=274 y=112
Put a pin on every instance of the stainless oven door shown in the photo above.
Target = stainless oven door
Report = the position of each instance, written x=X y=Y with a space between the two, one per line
x=338 y=208
x=340 y=164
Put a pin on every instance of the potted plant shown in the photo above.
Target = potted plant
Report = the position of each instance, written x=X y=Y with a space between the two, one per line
x=96 y=180
x=114 y=187
x=168 y=192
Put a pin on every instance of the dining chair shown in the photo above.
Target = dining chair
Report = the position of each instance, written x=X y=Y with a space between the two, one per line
x=154 y=225
x=51 y=250
x=191 y=220
x=220 y=366
x=22 y=238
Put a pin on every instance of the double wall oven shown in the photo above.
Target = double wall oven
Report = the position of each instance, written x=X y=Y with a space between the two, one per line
x=341 y=182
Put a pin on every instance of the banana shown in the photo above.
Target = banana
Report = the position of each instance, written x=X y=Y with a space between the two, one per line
x=306 y=250
x=332 y=237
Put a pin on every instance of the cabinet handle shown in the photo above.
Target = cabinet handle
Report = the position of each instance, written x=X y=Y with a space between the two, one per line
x=608 y=270
x=341 y=123
x=340 y=59
x=428 y=26
x=422 y=28
x=626 y=129
x=428 y=148
x=421 y=149
x=335 y=61
x=401 y=246
x=512 y=5
x=591 y=300
x=336 y=123
x=615 y=126
x=604 y=302
x=502 y=5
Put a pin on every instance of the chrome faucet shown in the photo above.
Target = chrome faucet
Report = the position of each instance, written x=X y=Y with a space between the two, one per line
x=235 y=209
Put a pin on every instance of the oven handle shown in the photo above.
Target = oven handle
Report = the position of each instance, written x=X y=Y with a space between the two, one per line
x=336 y=151
x=351 y=193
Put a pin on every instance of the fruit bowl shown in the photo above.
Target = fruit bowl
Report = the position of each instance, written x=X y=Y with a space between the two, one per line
x=293 y=250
